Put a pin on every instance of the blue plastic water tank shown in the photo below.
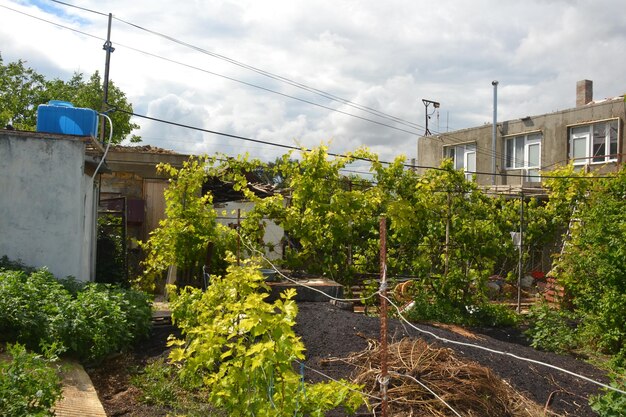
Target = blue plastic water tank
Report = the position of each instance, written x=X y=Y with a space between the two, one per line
x=62 y=117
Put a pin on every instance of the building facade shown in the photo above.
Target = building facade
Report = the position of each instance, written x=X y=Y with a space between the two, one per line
x=591 y=135
x=48 y=199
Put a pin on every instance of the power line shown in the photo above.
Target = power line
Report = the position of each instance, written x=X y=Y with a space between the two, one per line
x=406 y=165
x=78 y=7
x=268 y=74
x=52 y=23
x=411 y=132
x=277 y=77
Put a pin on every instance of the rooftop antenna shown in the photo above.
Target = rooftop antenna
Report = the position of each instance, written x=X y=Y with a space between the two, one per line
x=426 y=104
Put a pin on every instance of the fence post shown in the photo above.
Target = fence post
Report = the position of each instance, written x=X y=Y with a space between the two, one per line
x=384 y=379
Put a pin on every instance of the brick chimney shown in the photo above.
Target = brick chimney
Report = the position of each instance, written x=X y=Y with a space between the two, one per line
x=584 y=92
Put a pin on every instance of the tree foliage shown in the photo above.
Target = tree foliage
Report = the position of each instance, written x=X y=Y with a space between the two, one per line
x=23 y=89
x=182 y=238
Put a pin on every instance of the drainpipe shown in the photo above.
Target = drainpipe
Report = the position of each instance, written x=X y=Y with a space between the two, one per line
x=494 y=132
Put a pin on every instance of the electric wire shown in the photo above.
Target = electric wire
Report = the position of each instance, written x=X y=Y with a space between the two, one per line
x=411 y=132
x=79 y=7
x=277 y=77
x=291 y=147
x=479 y=149
x=52 y=23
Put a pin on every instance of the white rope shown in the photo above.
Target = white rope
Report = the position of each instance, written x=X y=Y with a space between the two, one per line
x=521 y=358
x=445 y=340
x=429 y=390
x=338 y=381
x=300 y=283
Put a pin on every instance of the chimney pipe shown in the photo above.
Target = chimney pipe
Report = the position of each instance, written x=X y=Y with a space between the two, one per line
x=584 y=92
x=494 y=132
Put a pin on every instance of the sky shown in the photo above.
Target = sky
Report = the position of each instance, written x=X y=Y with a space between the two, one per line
x=204 y=64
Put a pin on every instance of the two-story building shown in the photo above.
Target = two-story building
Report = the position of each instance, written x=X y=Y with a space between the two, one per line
x=591 y=135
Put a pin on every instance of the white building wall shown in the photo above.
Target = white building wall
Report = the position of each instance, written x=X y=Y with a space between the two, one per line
x=46 y=203
x=227 y=214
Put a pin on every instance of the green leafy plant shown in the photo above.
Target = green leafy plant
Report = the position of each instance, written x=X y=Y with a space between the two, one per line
x=29 y=383
x=610 y=403
x=90 y=320
x=33 y=307
x=242 y=349
x=160 y=385
x=182 y=238
x=551 y=328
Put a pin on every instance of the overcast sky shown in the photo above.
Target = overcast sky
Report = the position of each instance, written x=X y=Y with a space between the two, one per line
x=385 y=55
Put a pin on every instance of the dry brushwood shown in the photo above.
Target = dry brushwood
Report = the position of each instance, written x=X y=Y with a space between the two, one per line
x=470 y=389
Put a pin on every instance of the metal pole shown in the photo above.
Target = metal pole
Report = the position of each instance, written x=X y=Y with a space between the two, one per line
x=521 y=253
x=238 y=237
x=494 y=132
x=105 y=84
x=383 y=316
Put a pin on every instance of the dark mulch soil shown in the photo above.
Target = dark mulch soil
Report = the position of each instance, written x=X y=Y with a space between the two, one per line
x=329 y=332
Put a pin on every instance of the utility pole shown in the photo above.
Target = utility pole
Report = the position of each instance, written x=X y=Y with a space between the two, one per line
x=108 y=47
x=426 y=104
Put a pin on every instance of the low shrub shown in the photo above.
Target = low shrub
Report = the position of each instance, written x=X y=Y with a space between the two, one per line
x=33 y=308
x=90 y=320
x=160 y=385
x=440 y=310
x=29 y=383
x=551 y=328
x=610 y=403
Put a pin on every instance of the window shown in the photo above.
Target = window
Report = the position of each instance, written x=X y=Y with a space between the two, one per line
x=464 y=157
x=594 y=143
x=524 y=152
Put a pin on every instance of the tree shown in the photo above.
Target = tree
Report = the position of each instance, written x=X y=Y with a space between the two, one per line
x=22 y=90
x=183 y=236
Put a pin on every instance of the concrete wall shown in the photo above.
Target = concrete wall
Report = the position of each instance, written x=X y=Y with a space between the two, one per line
x=554 y=144
x=47 y=203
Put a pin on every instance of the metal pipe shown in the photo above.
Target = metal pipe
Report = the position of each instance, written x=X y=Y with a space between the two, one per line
x=494 y=132
x=384 y=378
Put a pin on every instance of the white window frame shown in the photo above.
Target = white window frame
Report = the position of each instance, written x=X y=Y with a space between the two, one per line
x=463 y=155
x=583 y=134
x=522 y=144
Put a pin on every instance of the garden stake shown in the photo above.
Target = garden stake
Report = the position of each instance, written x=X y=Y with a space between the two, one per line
x=383 y=316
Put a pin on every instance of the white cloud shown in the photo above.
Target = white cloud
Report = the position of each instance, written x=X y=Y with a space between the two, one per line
x=384 y=55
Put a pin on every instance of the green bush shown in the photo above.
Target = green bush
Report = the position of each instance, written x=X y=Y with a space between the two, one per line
x=33 y=307
x=29 y=383
x=91 y=320
x=551 y=328
x=444 y=311
x=610 y=403
x=160 y=385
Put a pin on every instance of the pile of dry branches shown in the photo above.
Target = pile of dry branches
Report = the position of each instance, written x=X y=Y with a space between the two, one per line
x=417 y=371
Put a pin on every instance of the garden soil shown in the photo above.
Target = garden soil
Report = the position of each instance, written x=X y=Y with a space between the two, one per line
x=329 y=333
